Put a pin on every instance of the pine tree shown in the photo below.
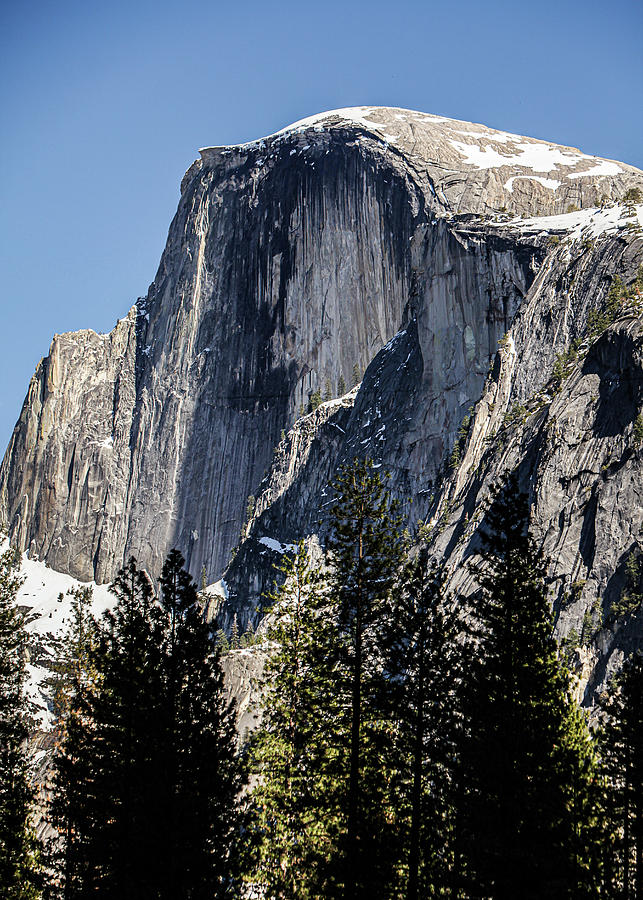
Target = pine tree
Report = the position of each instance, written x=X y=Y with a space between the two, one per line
x=365 y=554
x=248 y=638
x=621 y=746
x=71 y=651
x=584 y=826
x=147 y=777
x=234 y=633
x=221 y=641
x=201 y=774
x=427 y=662
x=20 y=874
x=294 y=822
x=341 y=386
x=523 y=750
x=315 y=400
x=106 y=771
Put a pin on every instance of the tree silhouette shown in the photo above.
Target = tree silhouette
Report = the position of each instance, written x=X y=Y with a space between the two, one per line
x=147 y=778
x=365 y=554
x=527 y=770
x=20 y=876
x=621 y=744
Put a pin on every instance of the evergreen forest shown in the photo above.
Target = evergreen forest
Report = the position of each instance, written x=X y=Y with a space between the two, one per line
x=413 y=743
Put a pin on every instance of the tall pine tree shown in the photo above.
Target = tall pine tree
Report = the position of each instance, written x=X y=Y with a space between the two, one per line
x=621 y=746
x=366 y=550
x=427 y=662
x=106 y=771
x=201 y=775
x=147 y=778
x=523 y=751
x=294 y=821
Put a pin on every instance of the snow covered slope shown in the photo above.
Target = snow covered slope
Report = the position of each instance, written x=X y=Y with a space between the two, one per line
x=45 y=597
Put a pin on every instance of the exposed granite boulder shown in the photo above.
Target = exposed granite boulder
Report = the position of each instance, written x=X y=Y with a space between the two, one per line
x=243 y=671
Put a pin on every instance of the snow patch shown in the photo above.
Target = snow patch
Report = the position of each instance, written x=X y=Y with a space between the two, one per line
x=535 y=155
x=220 y=588
x=582 y=224
x=546 y=182
x=41 y=591
x=272 y=544
x=48 y=612
x=603 y=167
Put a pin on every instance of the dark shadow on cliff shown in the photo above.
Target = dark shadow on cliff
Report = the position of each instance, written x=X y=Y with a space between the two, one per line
x=251 y=371
x=386 y=395
x=615 y=358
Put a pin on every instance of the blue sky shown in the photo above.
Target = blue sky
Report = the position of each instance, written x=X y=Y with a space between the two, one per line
x=104 y=106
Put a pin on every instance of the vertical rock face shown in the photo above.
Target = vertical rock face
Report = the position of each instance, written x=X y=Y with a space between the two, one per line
x=282 y=272
x=561 y=407
x=292 y=261
x=279 y=277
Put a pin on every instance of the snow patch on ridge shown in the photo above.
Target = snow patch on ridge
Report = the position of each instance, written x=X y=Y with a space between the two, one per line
x=603 y=167
x=535 y=155
x=365 y=116
x=355 y=114
x=539 y=157
x=582 y=224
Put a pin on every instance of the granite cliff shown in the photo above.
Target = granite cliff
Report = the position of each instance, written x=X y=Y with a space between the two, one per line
x=400 y=244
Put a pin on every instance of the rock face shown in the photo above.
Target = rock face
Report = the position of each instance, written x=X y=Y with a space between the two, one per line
x=562 y=406
x=370 y=238
x=64 y=482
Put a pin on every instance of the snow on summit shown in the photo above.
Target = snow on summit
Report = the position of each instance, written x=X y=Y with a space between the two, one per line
x=531 y=154
x=461 y=145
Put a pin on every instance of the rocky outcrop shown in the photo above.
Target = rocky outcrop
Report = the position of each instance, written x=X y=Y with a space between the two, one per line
x=561 y=407
x=243 y=672
x=369 y=238
x=65 y=478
